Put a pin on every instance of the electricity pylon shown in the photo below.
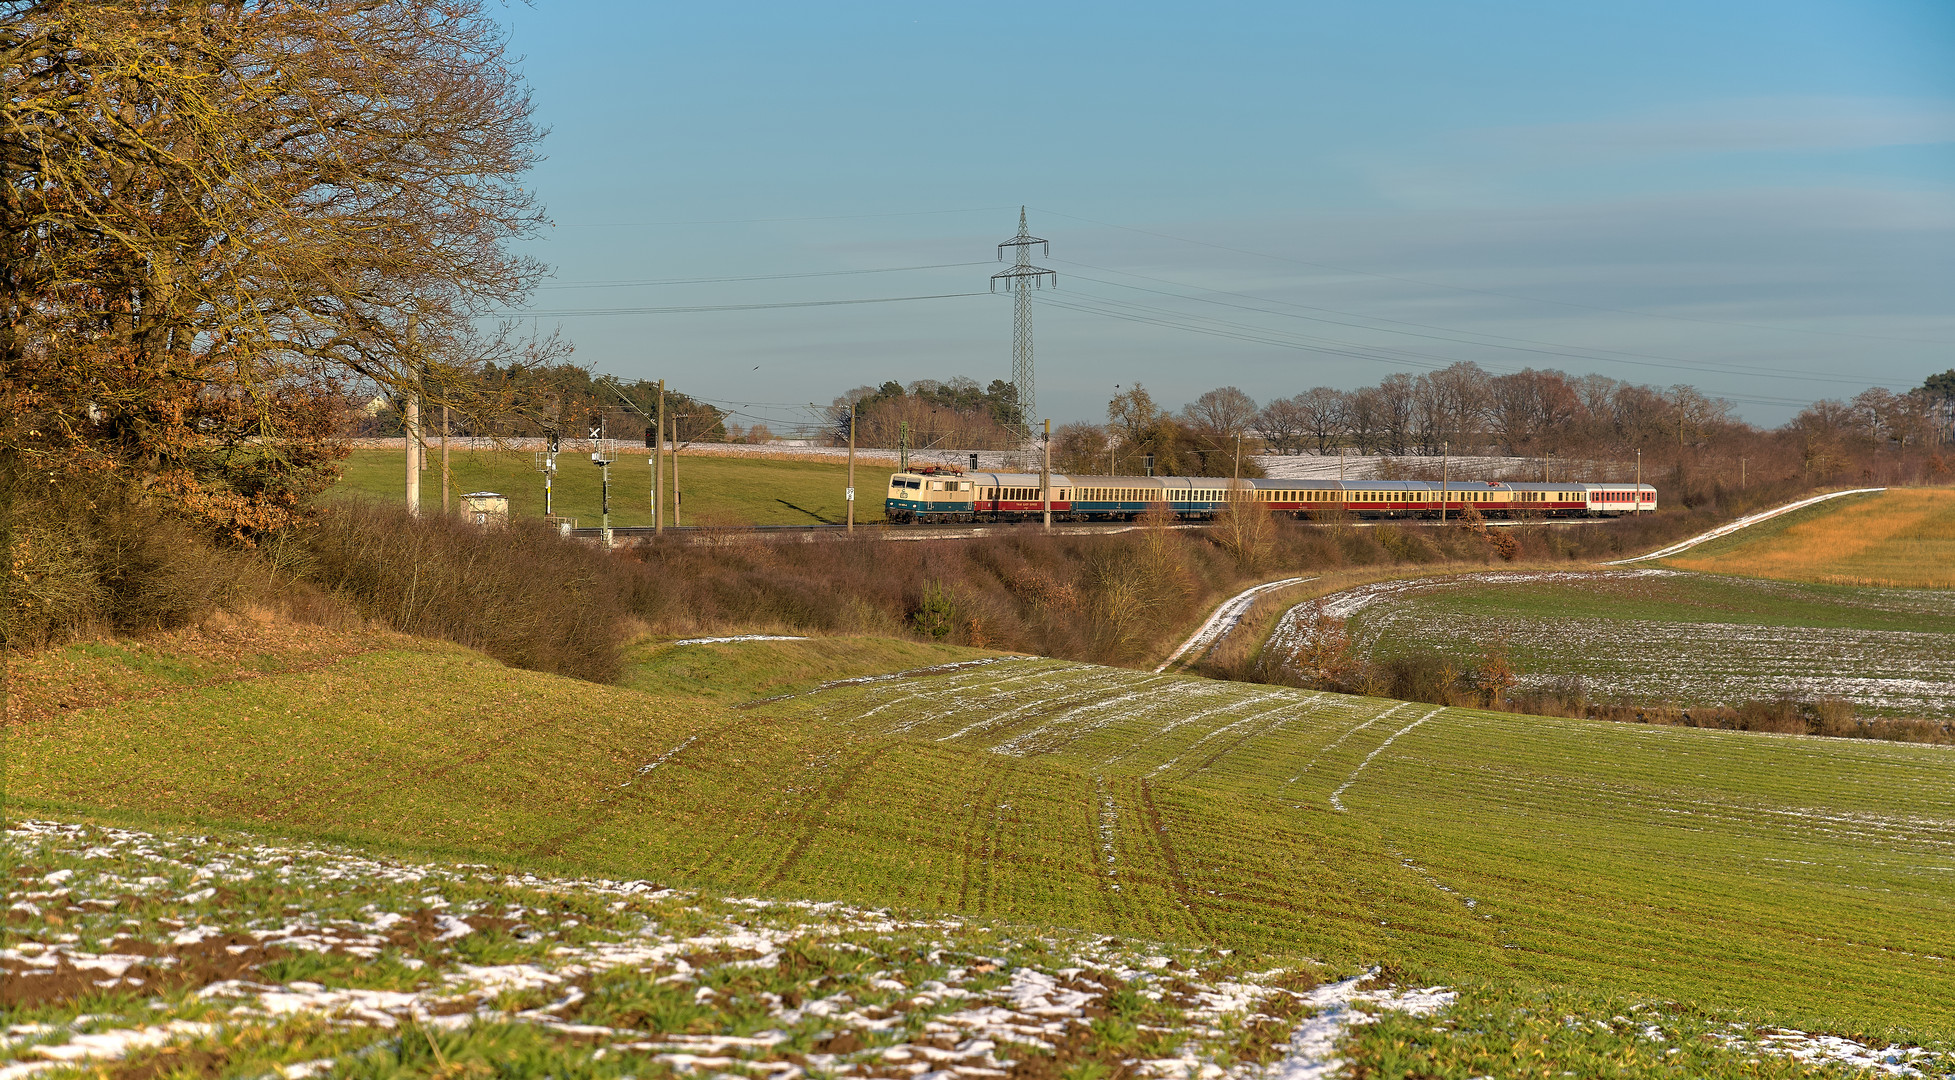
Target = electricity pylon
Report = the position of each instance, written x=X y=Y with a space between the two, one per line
x=1021 y=279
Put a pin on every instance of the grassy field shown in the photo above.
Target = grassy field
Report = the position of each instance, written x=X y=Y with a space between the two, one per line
x=715 y=490
x=1658 y=636
x=1585 y=867
x=1901 y=537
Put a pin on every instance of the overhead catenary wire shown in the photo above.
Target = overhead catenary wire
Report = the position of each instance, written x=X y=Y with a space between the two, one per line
x=625 y=284
x=1488 y=292
x=682 y=309
x=1257 y=335
x=773 y=220
x=1464 y=337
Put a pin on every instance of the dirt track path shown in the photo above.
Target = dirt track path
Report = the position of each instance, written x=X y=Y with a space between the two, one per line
x=1226 y=617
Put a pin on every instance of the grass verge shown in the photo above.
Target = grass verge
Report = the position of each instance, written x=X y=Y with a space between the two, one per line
x=1899 y=538
x=715 y=491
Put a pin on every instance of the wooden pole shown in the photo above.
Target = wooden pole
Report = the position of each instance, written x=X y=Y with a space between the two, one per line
x=444 y=459
x=850 y=494
x=1045 y=476
x=676 y=503
x=658 y=467
x=411 y=426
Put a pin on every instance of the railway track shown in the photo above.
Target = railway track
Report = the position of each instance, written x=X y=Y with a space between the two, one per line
x=640 y=534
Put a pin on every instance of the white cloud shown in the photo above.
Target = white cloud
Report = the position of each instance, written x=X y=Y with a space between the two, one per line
x=1785 y=123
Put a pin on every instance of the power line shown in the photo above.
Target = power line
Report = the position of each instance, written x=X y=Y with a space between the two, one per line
x=760 y=221
x=752 y=277
x=1492 y=292
x=691 y=308
x=1465 y=337
x=1256 y=335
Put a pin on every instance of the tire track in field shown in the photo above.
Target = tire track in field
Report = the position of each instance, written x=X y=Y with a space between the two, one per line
x=1194 y=718
x=1079 y=690
x=1253 y=731
x=1337 y=742
x=863 y=680
x=1184 y=892
x=814 y=817
x=1103 y=841
x=978 y=855
x=609 y=806
x=1335 y=803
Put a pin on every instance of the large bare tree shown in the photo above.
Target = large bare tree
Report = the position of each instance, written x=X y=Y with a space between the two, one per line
x=215 y=214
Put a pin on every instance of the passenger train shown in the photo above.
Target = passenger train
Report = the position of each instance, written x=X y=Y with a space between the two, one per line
x=946 y=493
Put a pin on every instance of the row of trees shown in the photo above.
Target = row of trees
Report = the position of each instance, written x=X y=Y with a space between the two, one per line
x=1529 y=414
x=562 y=398
x=957 y=414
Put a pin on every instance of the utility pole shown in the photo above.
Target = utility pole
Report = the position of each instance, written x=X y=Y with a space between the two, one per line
x=444 y=457
x=903 y=446
x=1544 y=467
x=1445 y=477
x=604 y=472
x=549 y=471
x=411 y=425
x=1639 y=481
x=1045 y=477
x=1741 y=473
x=658 y=468
x=850 y=497
x=676 y=498
x=1021 y=279
x=1238 y=458
x=1340 y=464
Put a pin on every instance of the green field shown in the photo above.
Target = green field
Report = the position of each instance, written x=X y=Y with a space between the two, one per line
x=1660 y=636
x=1587 y=865
x=721 y=491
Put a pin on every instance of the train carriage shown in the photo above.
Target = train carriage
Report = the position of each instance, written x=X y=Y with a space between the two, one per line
x=936 y=493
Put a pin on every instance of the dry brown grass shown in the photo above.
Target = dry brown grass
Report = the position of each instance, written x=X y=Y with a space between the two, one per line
x=1901 y=538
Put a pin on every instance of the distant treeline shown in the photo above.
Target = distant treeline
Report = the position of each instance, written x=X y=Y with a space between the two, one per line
x=1590 y=423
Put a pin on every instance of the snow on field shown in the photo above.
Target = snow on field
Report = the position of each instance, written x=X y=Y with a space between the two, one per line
x=1883 y=672
x=190 y=931
x=1361 y=467
x=738 y=637
x=1312 y=1053
x=127 y=944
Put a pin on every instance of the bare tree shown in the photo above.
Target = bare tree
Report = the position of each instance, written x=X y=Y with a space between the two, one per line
x=1223 y=413
x=216 y=213
x=1364 y=419
x=1282 y=424
x=1530 y=410
x=1324 y=412
x=1394 y=395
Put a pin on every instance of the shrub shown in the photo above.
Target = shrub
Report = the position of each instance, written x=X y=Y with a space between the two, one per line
x=102 y=556
x=523 y=594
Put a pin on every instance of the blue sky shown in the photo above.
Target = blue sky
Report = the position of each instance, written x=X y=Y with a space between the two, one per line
x=1754 y=198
